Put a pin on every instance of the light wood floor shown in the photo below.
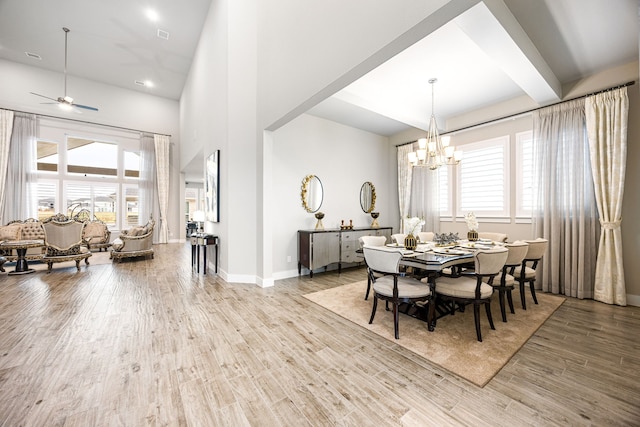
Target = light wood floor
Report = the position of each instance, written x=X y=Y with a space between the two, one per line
x=151 y=343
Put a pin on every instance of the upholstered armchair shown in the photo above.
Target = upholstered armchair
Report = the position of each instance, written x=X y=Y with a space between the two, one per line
x=134 y=242
x=63 y=241
x=97 y=235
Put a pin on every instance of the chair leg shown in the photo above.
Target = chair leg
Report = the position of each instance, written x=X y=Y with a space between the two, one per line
x=522 y=296
x=366 y=296
x=476 y=318
x=533 y=291
x=431 y=318
x=487 y=306
x=396 y=319
x=503 y=310
x=510 y=300
x=373 y=311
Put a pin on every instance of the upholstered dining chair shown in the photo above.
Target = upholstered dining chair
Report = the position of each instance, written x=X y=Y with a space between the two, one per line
x=496 y=237
x=371 y=241
x=394 y=287
x=398 y=238
x=425 y=236
x=527 y=273
x=474 y=288
x=505 y=282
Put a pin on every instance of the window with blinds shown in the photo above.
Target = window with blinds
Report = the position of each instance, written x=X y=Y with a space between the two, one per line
x=445 y=193
x=524 y=174
x=483 y=179
x=47 y=194
x=99 y=199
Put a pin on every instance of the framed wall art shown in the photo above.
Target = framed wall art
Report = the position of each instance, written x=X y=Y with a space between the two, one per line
x=212 y=187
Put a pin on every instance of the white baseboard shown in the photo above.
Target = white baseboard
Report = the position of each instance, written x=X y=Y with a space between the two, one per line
x=633 y=300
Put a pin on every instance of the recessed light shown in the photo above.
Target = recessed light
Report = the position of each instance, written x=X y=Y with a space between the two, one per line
x=152 y=15
x=33 y=55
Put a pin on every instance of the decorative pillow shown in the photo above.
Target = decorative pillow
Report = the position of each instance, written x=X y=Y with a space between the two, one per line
x=136 y=231
x=10 y=232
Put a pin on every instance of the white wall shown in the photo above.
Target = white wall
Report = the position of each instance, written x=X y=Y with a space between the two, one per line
x=343 y=158
x=117 y=107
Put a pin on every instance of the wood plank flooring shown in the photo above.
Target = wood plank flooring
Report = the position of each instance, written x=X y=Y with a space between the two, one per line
x=150 y=343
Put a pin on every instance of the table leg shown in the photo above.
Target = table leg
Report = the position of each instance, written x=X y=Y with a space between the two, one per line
x=198 y=258
x=22 y=266
x=204 y=267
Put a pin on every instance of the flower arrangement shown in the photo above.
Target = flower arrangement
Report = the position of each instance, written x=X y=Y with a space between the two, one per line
x=446 y=239
x=472 y=222
x=413 y=225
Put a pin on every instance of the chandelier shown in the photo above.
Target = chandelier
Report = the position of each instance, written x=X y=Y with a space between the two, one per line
x=434 y=150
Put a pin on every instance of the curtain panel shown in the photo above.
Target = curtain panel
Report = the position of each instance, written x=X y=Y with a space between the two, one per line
x=425 y=198
x=162 y=145
x=565 y=210
x=404 y=182
x=6 y=128
x=149 y=205
x=606 y=117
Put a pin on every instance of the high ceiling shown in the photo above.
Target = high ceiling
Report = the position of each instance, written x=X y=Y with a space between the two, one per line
x=487 y=55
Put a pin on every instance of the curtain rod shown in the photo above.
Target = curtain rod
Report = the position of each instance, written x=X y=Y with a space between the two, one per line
x=88 y=122
x=511 y=116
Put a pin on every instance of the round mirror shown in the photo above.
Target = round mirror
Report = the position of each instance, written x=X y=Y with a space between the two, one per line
x=368 y=197
x=311 y=193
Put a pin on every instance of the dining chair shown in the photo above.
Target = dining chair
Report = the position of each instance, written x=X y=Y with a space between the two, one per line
x=527 y=274
x=393 y=286
x=474 y=288
x=371 y=241
x=504 y=281
x=496 y=237
x=425 y=236
x=398 y=238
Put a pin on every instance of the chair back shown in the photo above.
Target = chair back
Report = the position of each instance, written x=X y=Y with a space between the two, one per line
x=372 y=241
x=381 y=259
x=63 y=235
x=517 y=252
x=425 y=236
x=496 y=237
x=537 y=248
x=491 y=261
x=398 y=238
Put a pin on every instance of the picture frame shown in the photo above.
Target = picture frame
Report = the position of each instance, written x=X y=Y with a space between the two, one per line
x=212 y=187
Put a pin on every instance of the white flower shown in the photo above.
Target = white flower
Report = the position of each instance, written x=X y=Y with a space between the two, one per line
x=471 y=221
x=413 y=225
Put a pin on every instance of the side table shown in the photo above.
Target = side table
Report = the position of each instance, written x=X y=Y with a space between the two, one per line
x=21 y=246
x=202 y=240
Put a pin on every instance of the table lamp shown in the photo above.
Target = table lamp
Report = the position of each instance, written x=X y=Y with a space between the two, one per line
x=198 y=217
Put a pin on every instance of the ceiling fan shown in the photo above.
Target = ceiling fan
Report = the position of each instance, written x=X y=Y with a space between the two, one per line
x=65 y=102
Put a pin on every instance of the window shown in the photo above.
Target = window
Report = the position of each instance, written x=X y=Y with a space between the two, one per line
x=483 y=179
x=444 y=192
x=131 y=205
x=46 y=192
x=47 y=156
x=524 y=174
x=131 y=164
x=88 y=157
x=97 y=198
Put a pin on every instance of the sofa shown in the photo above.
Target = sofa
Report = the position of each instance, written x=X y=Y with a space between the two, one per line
x=29 y=229
x=63 y=241
x=134 y=242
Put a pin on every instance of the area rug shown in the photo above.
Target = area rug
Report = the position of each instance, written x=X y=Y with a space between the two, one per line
x=453 y=344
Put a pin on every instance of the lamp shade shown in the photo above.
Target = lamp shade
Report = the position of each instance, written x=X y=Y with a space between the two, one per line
x=198 y=216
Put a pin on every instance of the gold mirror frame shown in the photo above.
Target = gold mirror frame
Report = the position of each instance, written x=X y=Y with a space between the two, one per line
x=368 y=197
x=311 y=187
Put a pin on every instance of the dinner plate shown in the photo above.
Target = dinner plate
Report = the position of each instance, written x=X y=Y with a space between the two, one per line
x=475 y=246
x=448 y=251
x=395 y=245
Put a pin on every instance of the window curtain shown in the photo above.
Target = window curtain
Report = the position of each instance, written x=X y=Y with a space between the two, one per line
x=6 y=128
x=162 y=145
x=606 y=116
x=565 y=208
x=20 y=183
x=425 y=198
x=149 y=206
x=404 y=182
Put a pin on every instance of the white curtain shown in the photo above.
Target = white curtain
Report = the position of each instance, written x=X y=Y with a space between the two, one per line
x=162 y=145
x=6 y=128
x=148 y=197
x=606 y=116
x=425 y=198
x=404 y=182
x=565 y=211
x=20 y=184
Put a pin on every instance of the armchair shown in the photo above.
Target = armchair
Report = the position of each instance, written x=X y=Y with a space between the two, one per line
x=63 y=241
x=135 y=242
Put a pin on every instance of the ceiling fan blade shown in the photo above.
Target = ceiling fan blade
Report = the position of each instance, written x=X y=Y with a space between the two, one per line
x=47 y=97
x=86 y=107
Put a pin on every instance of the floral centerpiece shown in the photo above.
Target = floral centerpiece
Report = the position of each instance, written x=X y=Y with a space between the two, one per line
x=446 y=239
x=472 y=225
x=411 y=227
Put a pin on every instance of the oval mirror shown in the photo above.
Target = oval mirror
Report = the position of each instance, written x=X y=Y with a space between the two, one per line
x=311 y=193
x=368 y=197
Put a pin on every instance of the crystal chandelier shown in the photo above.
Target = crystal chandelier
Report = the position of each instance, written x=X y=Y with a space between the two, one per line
x=434 y=150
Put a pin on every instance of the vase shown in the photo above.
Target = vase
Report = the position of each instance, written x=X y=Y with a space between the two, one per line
x=319 y=225
x=410 y=242
x=374 y=223
x=472 y=236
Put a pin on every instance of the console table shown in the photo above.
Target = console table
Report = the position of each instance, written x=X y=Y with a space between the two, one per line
x=201 y=240
x=319 y=248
